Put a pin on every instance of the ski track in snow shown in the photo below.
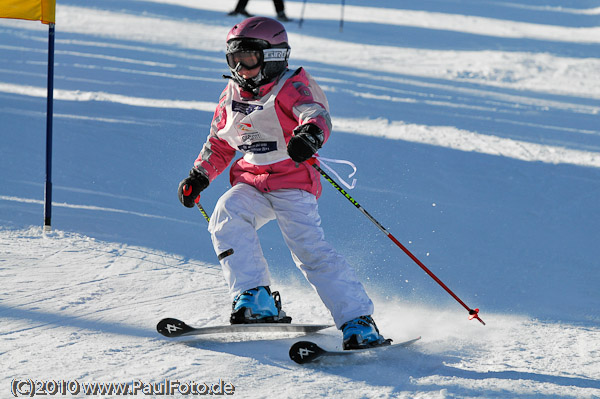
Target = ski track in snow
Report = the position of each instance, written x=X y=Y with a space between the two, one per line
x=91 y=208
x=84 y=307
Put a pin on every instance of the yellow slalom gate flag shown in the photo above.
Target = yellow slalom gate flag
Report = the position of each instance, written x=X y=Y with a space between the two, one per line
x=34 y=10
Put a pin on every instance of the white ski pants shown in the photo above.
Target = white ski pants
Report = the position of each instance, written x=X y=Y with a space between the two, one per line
x=242 y=210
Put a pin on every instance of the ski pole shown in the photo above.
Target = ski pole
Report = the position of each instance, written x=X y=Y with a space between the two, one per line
x=187 y=190
x=201 y=209
x=302 y=14
x=473 y=313
x=342 y=17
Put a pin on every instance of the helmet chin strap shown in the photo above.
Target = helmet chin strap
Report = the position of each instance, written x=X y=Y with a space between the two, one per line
x=248 y=84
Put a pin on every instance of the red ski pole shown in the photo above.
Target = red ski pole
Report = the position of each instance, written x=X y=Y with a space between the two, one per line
x=473 y=313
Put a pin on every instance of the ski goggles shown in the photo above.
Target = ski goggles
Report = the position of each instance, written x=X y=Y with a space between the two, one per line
x=248 y=59
x=251 y=59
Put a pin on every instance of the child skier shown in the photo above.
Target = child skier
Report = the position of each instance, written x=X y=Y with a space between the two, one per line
x=277 y=118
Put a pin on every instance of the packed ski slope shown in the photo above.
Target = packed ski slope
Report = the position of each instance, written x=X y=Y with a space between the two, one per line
x=475 y=129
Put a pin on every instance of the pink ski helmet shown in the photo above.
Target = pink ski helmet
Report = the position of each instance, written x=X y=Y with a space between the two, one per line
x=263 y=40
x=263 y=28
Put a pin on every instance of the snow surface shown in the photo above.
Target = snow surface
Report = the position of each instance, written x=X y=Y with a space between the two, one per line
x=475 y=129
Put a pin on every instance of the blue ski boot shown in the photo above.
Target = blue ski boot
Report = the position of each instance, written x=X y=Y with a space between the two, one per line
x=258 y=305
x=361 y=333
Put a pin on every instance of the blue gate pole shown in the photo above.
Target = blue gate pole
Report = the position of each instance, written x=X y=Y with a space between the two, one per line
x=49 y=114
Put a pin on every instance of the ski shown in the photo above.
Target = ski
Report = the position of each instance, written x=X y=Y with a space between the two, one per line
x=305 y=351
x=172 y=328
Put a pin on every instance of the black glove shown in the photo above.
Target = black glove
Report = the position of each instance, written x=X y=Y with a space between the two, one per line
x=305 y=142
x=190 y=187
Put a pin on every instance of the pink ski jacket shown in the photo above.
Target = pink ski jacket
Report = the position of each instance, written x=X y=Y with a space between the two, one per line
x=260 y=128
